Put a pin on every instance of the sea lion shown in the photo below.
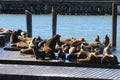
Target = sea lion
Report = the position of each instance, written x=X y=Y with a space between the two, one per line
x=79 y=55
x=65 y=48
x=96 y=44
x=72 y=50
x=106 y=40
x=49 y=47
x=31 y=45
x=86 y=56
x=51 y=43
x=108 y=57
x=17 y=40
x=14 y=36
x=61 y=54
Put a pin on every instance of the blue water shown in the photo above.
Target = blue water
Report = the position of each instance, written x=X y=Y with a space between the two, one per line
x=67 y=26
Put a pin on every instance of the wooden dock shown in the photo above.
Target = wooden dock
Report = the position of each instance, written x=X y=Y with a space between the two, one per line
x=65 y=7
x=33 y=72
x=14 y=66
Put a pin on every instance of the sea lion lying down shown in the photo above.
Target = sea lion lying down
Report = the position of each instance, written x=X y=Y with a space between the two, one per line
x=46 y=50
x=95 y=57
x=77 y=49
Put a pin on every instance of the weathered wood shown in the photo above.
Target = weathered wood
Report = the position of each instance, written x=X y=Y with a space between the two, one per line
x=28 y=23
x=114 y=25
x=54 y=21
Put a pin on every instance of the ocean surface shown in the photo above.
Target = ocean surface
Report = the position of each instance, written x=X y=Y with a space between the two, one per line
x=67 y=26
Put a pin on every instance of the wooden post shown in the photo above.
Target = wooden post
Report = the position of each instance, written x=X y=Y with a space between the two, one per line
x=114 y=24
x=54 y=21
x=29 y=23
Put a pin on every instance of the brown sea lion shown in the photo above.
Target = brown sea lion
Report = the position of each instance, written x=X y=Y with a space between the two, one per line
x=14 y=36
x=79 y=55
x=51 y=43
x=106 y=40
x=61 y=54
x=108 y=57
x=20 y=40
x=29 y=48
x=92 y=57
x=68 y=41
x=49 y=47
x=96 y=44
x=65 y=48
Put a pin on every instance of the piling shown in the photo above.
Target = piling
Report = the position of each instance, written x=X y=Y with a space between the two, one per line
x=29 y=23
x=54 y=21
x=114 y=24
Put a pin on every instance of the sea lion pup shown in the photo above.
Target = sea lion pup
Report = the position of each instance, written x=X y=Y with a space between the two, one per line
x=49 y=47
x=108 y=57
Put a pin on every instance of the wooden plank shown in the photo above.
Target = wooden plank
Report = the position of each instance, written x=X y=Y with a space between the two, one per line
x=114 y=25
x=28 y=23
x=59 y=71
x=55 y=63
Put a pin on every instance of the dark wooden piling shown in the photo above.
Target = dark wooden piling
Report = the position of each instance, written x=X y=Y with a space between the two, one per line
x=114 y=24
x=54 y=21
x=28 y=23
